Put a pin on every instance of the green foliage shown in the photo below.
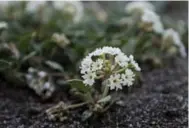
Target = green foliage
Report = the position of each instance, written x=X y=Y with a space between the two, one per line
x=78 y=84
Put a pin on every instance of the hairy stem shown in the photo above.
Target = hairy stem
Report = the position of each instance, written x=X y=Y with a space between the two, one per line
x=76 y=105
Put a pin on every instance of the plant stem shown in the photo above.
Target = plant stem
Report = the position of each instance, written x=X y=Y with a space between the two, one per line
x=4 y=61
x=99 y=77
x=77 y=105
x=121 y=70
x=106 y=90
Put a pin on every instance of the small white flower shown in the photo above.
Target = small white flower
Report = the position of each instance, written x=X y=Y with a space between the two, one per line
x=86 y=65
x=75 y=8
x=47 y=85
x=29 y=77
x=151 y=19
x=111 y=50
x=115 y=82
x=138 y=7
x=3 y=25
x=97 y=65
x=128 y=77
x=31 y=70
x=106 y=50
x=122 y=60
x=97 y=52
x=173 y=36
x=89 y=78
x=134 y=63
x=34 y=6
x=60 y=39
x=42 y=74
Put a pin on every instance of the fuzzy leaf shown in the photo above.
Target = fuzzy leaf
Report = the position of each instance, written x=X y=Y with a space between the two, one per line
x=105 y=99
x=54 y=65
x=30 y=55
x=78 y=84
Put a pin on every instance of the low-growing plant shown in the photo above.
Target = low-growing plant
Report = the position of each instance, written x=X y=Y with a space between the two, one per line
x=104 y=71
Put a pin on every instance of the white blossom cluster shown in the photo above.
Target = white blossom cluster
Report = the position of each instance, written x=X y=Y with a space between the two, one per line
x=39 y=82
x=60 y=39
x=149 y=19
x=173 y=36
x=110 y=64
x=3 y=25
x=73 y=8
x=138 y=7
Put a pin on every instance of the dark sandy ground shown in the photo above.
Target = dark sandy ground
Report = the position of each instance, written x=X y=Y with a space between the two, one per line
x=161 y=102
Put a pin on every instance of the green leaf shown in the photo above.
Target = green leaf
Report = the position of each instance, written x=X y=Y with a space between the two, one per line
x=78 y=84
x=105 y=99
x=29 y=56
x=54 y=65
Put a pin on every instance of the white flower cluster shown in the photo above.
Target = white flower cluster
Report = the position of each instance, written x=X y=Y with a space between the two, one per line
x=3 y=25
x=149 y=19
x=173 y=36
x=60 y=39
x=138 y=7
x=110 y=64
x=39 y=82
x=75 y=8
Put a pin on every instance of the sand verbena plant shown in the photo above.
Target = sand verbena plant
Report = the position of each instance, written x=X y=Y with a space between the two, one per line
x=104 y=71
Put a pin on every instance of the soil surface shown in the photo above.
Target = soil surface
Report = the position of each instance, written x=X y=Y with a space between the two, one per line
x=161 y=102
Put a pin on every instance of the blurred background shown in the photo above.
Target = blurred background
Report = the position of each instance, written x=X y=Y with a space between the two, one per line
x=83 y=23
x=175 y=9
